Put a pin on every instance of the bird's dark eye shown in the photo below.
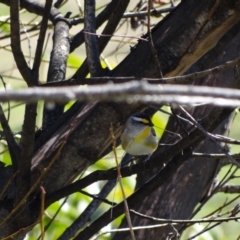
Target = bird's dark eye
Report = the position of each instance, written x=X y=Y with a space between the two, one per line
x=153 y=132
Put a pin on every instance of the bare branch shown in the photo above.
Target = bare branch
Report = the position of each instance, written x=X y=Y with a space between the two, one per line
x=91 y=40
x=185 y=79
x=24 y=164
x=225 y=139
x=12 y=144
x=35 y=7
x=208 y=135
x=153 y=50
x=230 y=188
x=78 y=39
x=153 y=12
x=133 y=92
x=215 y=155
x=57 y=66
x=95 y=237
x=16 y=43
x=203 y=220
x=42 y=33
x=176 y=150
x=87 y=213
x=109 y=29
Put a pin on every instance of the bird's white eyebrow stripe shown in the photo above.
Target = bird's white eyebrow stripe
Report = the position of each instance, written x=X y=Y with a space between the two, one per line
x=137 y=119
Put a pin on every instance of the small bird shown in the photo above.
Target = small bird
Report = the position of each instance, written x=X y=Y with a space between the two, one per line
x=139 y=137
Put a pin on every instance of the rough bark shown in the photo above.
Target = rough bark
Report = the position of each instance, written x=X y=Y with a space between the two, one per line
x=173 y=45
x=180 y=42
x=178 y=197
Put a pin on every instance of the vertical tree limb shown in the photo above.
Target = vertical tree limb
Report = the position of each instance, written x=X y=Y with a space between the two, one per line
x=24 y=164
x=91 y=39
x=109 y=29
x=78 y=38
x=57 y=67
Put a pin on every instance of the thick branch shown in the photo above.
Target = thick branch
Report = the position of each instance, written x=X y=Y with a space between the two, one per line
x=24 y=166
x=185 y=79
x=158 y=180
x=135 y=92
x=144 y=166
x=57 y=67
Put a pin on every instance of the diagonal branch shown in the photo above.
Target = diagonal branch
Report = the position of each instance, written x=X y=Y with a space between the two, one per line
x=184 y=79
x=42 y=33
x=161 y=177
x=91 y=208
x=12 y=144
x=208 y=135
x=16 y=43
x=144 y=166
x=35 y=7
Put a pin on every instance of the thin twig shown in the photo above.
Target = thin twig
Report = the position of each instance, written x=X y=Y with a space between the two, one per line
x=210 y=219
x=36 y=184
x=153 y=12
x=215 y=155
x=161 y=177
x=225 y=139
x=119 y=177
x=127 y=229
x=43 y=193
x=116 y=35
x=154 y=52
x=78 y=39
x=54 y=217
x=88 y=212
x=231 y=159
x=10 y=180
x=11 y=236
x=99 y=197
x=184 y=79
